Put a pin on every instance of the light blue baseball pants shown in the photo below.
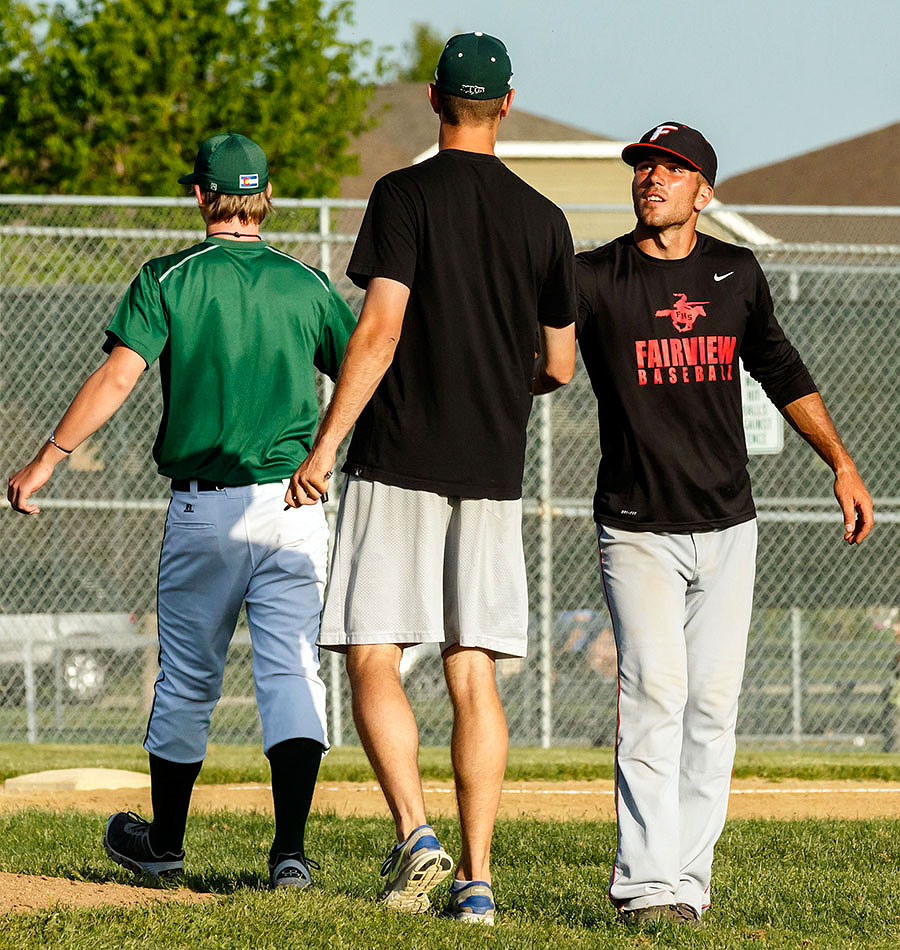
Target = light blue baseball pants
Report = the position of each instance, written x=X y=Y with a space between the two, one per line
x=221 y=549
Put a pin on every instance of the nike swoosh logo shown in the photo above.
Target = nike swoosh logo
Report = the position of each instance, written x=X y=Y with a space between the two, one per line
x=718 y=277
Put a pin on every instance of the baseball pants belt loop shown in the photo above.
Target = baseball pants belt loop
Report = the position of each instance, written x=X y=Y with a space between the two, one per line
x=195 y=484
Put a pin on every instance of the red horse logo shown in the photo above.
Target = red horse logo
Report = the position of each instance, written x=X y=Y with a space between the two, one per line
x=684 y=312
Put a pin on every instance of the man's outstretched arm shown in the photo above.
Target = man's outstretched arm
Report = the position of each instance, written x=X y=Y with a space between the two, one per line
x=811 y=420
x=99 y=397
x=555 y=364
x=370 y=351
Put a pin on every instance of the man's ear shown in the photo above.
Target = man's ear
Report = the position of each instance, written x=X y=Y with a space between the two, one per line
x=704 y=195
x=269 y=190
x=432 y=94
x=198 y=194
x=507 y=103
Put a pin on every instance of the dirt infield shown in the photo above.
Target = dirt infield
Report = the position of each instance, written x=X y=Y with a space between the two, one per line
x=750 y=798
x=595 y=800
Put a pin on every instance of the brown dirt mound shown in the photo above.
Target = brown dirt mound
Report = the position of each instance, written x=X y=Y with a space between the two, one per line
x=20 y=893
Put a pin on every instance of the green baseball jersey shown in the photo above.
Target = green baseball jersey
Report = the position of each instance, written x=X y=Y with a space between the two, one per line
x=237 y=329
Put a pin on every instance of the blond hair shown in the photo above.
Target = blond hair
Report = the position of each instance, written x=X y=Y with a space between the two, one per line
x=246 y=208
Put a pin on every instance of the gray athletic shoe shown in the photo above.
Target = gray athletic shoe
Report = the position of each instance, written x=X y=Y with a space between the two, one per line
x=654 y=914
x=686 y=915
x=127 y=842
x=473 y=904
x=291 y=872
x=412 y=869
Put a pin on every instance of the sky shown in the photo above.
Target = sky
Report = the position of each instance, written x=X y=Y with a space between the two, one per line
x=762 y=79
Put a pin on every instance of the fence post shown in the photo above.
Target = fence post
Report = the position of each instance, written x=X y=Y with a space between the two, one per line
x=325 y=237
x=335 y=685
x=336 y=725
x=545 y=570
x=335 y=679
x=58 y=685
x=28 y=664
x=796 y=674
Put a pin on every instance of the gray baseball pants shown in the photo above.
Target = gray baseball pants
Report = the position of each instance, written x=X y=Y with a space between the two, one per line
x=680 y=607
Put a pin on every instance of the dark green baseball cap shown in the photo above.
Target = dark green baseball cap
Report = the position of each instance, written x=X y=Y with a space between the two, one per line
x=230 y=164
x=474 y=66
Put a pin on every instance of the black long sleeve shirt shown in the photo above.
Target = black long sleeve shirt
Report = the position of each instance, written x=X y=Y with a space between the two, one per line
x=661 y=341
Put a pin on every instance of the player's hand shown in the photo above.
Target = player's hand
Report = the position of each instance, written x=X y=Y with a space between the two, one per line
x=26 y=482
x=856 y=505
x=310 y=482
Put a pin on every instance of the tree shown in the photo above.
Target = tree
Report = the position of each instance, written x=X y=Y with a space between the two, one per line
x=113 y=96
x=422 y=54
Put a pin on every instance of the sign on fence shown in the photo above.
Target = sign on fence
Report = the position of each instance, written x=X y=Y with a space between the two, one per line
x=763 y=423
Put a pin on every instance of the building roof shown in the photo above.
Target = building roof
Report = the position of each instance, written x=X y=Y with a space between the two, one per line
x=406 y=127
x=857 y=172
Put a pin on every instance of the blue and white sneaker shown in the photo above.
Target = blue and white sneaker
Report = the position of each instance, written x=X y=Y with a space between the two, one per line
x=412 y=869
x=473 y=903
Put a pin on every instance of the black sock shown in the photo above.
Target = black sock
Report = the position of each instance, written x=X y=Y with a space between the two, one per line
x=171 y=784
x=295 y=766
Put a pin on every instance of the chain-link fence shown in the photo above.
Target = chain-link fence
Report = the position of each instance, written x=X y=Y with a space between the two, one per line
x=77 y=583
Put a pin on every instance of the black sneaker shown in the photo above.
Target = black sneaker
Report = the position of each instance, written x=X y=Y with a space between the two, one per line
x=127 y=842
x=290 y=871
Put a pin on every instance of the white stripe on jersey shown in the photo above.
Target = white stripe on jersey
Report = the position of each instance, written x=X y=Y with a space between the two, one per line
x=294 y=259
x=212 y=247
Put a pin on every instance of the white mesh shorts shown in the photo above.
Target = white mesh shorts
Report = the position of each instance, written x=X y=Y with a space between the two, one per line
x=416 y=567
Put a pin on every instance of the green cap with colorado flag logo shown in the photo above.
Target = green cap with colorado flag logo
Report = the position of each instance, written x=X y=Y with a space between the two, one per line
x=230 y=164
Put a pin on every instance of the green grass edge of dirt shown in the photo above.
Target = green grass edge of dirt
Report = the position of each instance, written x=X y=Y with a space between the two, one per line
x=233 y=764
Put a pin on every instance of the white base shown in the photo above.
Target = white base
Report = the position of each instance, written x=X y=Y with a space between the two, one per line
x=75 y=780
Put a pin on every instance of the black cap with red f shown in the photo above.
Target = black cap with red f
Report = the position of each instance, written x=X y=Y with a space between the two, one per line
x=679 y=140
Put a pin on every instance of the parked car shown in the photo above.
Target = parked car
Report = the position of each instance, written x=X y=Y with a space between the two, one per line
x=75 y=649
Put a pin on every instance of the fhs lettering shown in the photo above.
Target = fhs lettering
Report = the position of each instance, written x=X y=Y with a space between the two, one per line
x=684 y=312
x=698 y=359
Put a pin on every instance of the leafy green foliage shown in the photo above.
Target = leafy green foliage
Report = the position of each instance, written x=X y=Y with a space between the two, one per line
x=114 y=96
x=421 y=53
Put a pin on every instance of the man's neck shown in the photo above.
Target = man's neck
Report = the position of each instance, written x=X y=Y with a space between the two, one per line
x=233 y=230
x=468 y=138
x=669 y=244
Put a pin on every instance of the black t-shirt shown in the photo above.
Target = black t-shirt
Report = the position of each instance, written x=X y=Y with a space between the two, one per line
x=661 y=341
x=486 y=258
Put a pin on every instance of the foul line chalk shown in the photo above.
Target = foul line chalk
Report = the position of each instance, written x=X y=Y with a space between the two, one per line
x=813 y=791
x=598 y=791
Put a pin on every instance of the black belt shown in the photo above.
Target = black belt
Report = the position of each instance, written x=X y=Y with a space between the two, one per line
x=203 y=484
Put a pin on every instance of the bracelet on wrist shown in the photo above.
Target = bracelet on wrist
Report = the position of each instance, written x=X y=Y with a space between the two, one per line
x=52 y=441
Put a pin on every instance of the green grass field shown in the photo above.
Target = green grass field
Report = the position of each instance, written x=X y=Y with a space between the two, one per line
x=814 y=884
x=818 y=884
x=241 y=763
